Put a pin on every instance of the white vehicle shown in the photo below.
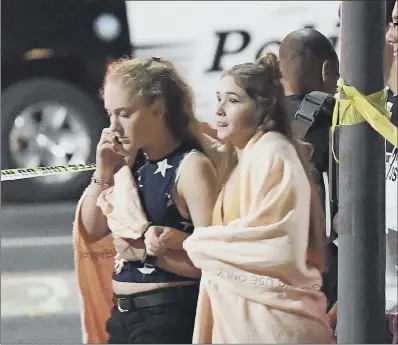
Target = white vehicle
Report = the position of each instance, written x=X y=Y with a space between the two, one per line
x=205 y=37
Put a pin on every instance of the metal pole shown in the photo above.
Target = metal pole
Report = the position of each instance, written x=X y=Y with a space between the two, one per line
x=362 y=249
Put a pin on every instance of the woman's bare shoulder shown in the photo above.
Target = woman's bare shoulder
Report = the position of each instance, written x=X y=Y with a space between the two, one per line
x=197 y=166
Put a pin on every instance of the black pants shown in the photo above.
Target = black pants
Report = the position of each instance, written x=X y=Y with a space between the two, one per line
x=168 y=323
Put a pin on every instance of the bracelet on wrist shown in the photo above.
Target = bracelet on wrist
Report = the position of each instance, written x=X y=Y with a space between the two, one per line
x=100 y=182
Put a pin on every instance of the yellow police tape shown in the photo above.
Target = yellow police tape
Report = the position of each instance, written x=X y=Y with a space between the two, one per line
x=18 y=174
x=352 y=107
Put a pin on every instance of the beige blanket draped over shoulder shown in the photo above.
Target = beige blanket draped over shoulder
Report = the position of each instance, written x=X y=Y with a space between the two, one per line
x=256 y=286
x=94 y=261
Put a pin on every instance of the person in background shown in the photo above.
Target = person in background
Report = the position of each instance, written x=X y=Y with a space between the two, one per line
x=391 y=180
x=153 y=138
x=309 y=63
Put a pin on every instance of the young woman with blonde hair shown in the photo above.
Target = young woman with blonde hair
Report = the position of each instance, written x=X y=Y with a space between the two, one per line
x=150 y=159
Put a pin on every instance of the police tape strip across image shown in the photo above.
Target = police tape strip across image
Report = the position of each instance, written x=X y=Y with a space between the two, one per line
x=18 y=174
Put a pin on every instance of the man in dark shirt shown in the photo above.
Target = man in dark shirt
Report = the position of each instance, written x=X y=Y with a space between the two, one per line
x=309 y=63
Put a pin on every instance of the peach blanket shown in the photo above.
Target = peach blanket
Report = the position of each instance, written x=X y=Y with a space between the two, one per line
x=256 y=286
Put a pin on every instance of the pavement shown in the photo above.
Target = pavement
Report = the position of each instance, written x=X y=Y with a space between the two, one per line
x=39 y=300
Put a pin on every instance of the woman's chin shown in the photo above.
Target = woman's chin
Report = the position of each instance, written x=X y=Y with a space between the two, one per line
x=130 y=148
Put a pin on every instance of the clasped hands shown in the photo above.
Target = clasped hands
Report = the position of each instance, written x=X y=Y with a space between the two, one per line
x=157 y=240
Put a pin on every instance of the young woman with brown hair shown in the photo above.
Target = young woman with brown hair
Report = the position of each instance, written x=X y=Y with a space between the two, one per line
x=262 y=258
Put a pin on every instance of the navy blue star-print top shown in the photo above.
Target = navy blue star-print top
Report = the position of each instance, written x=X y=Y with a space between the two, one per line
x=156 y=180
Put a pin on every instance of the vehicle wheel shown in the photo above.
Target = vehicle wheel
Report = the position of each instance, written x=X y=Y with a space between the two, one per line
x=46 y=122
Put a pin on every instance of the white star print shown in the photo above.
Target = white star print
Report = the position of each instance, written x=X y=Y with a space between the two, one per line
x=186 y=225
x=162 y=167
x=146 y=270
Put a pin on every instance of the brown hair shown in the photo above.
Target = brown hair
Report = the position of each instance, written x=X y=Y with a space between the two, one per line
x=261 y=81
x=154 y=78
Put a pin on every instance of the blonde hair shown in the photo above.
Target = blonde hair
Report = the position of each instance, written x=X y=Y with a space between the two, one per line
x=154 y=78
